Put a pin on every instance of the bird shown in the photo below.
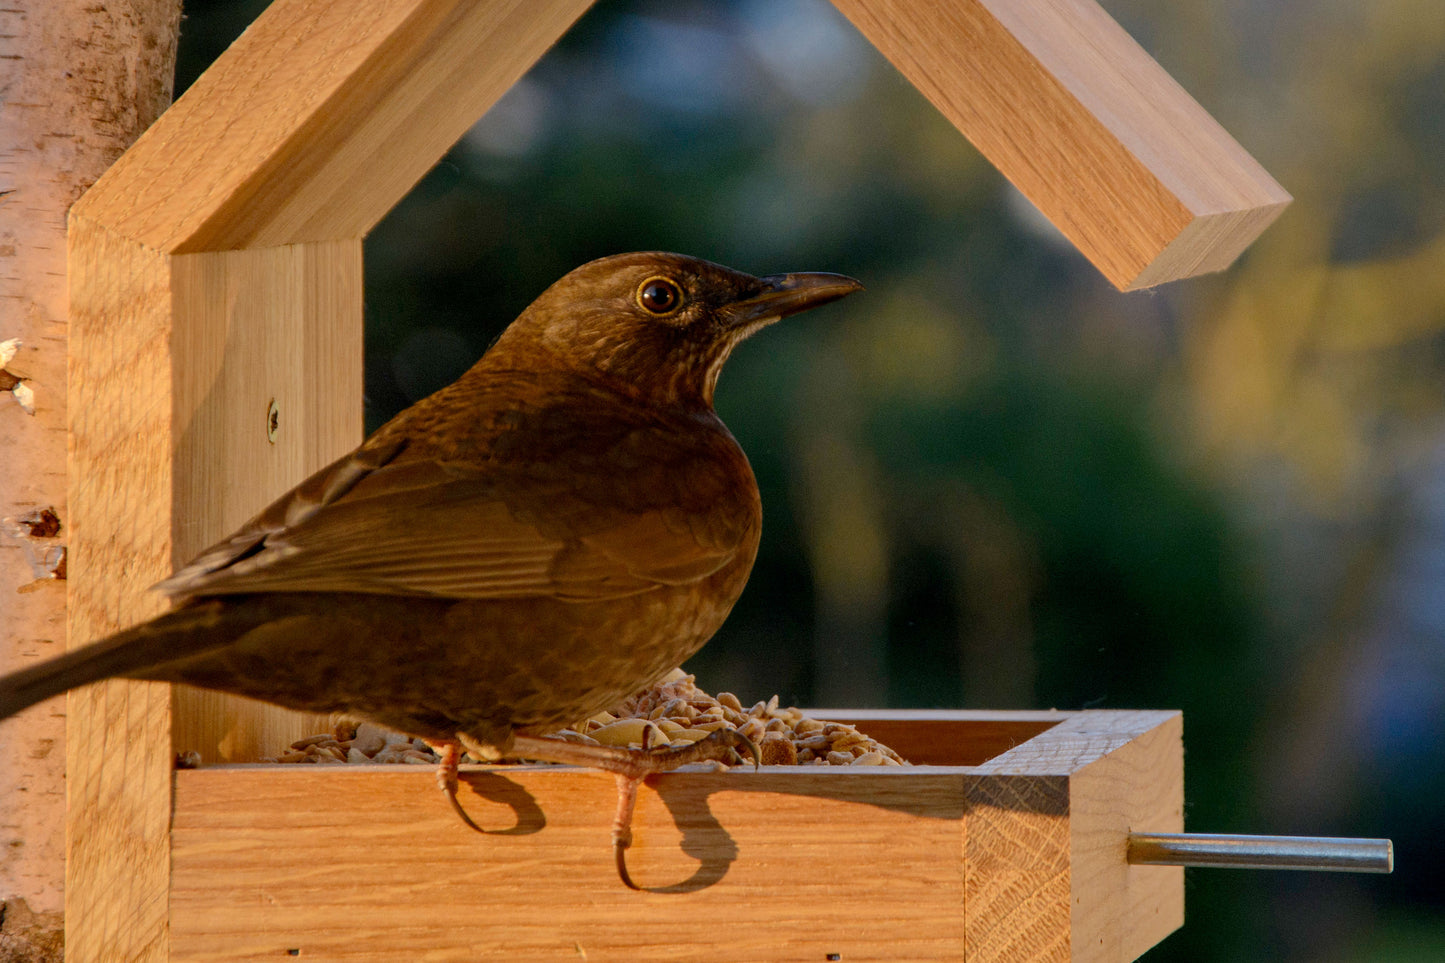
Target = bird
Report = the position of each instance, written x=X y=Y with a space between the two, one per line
x=555 y=530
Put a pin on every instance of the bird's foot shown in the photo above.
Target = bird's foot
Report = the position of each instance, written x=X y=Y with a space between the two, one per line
x=636 y=763
x=631 y=766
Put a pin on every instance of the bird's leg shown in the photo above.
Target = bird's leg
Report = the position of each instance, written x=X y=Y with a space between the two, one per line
x=622 y=825
x=451 y=754
x=631 y=766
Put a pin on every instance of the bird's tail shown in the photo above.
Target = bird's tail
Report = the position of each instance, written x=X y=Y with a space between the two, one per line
x=178 y=634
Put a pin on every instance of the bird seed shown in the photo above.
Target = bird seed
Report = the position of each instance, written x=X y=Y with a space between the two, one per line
x=672 y=712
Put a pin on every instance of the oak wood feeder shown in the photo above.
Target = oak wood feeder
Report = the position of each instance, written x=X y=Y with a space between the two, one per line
x=215 y=360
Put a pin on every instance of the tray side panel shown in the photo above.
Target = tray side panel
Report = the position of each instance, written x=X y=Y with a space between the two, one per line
x=1016 y=859
x=1079 y=739
x=1120 y=911
x=945 y=737
x=369 y=864
x=1047 y=829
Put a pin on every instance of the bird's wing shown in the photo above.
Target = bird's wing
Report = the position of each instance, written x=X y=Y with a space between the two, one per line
x=378 y=524
x=323 y=488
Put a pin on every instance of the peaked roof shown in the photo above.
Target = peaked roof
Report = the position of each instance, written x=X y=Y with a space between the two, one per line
x=322 y=115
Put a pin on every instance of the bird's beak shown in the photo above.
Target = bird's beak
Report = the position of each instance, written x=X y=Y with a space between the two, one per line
x=785 y=294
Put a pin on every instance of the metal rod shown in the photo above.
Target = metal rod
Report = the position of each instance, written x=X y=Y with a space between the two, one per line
x=1263 y=852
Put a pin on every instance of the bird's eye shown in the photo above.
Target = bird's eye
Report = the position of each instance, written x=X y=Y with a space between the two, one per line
x=660 y=296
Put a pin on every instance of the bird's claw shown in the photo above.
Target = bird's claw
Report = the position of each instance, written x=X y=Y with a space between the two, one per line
x=721 y=744
x=753 y=751
x=619 y=854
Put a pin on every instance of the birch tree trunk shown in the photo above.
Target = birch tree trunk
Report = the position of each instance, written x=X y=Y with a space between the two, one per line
x=79 y=81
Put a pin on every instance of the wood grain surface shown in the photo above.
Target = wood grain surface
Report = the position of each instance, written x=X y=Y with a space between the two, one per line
x=319 y=118
x=118 y=734
x=1090 y=128
x=256 y=327
x=367 y=863
x=1069 y=798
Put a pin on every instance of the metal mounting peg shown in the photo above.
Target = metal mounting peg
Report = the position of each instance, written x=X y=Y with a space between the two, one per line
x=1262 y=852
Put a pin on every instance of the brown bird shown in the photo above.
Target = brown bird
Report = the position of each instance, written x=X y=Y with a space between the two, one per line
x=554 y=531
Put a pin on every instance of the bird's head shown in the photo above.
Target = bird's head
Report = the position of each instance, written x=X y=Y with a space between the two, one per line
x=660 y=325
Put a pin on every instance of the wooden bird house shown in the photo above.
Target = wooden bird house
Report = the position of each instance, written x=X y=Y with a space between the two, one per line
x=215 y=360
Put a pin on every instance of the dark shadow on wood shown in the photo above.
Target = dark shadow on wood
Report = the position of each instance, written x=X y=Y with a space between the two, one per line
x=494 y=787
x=931 y=792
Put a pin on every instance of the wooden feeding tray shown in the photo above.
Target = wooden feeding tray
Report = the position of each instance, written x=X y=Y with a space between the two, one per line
x=1007 y=842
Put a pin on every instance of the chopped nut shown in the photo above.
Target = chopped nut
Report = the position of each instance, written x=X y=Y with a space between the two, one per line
x=777 y=750
x=312 y=741
x=390 y=754
x=626 y=732
x=817 y=743
x=368 y=739
x=753 y=729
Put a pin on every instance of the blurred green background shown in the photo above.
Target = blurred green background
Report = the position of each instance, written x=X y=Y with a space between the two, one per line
x=991 y=480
